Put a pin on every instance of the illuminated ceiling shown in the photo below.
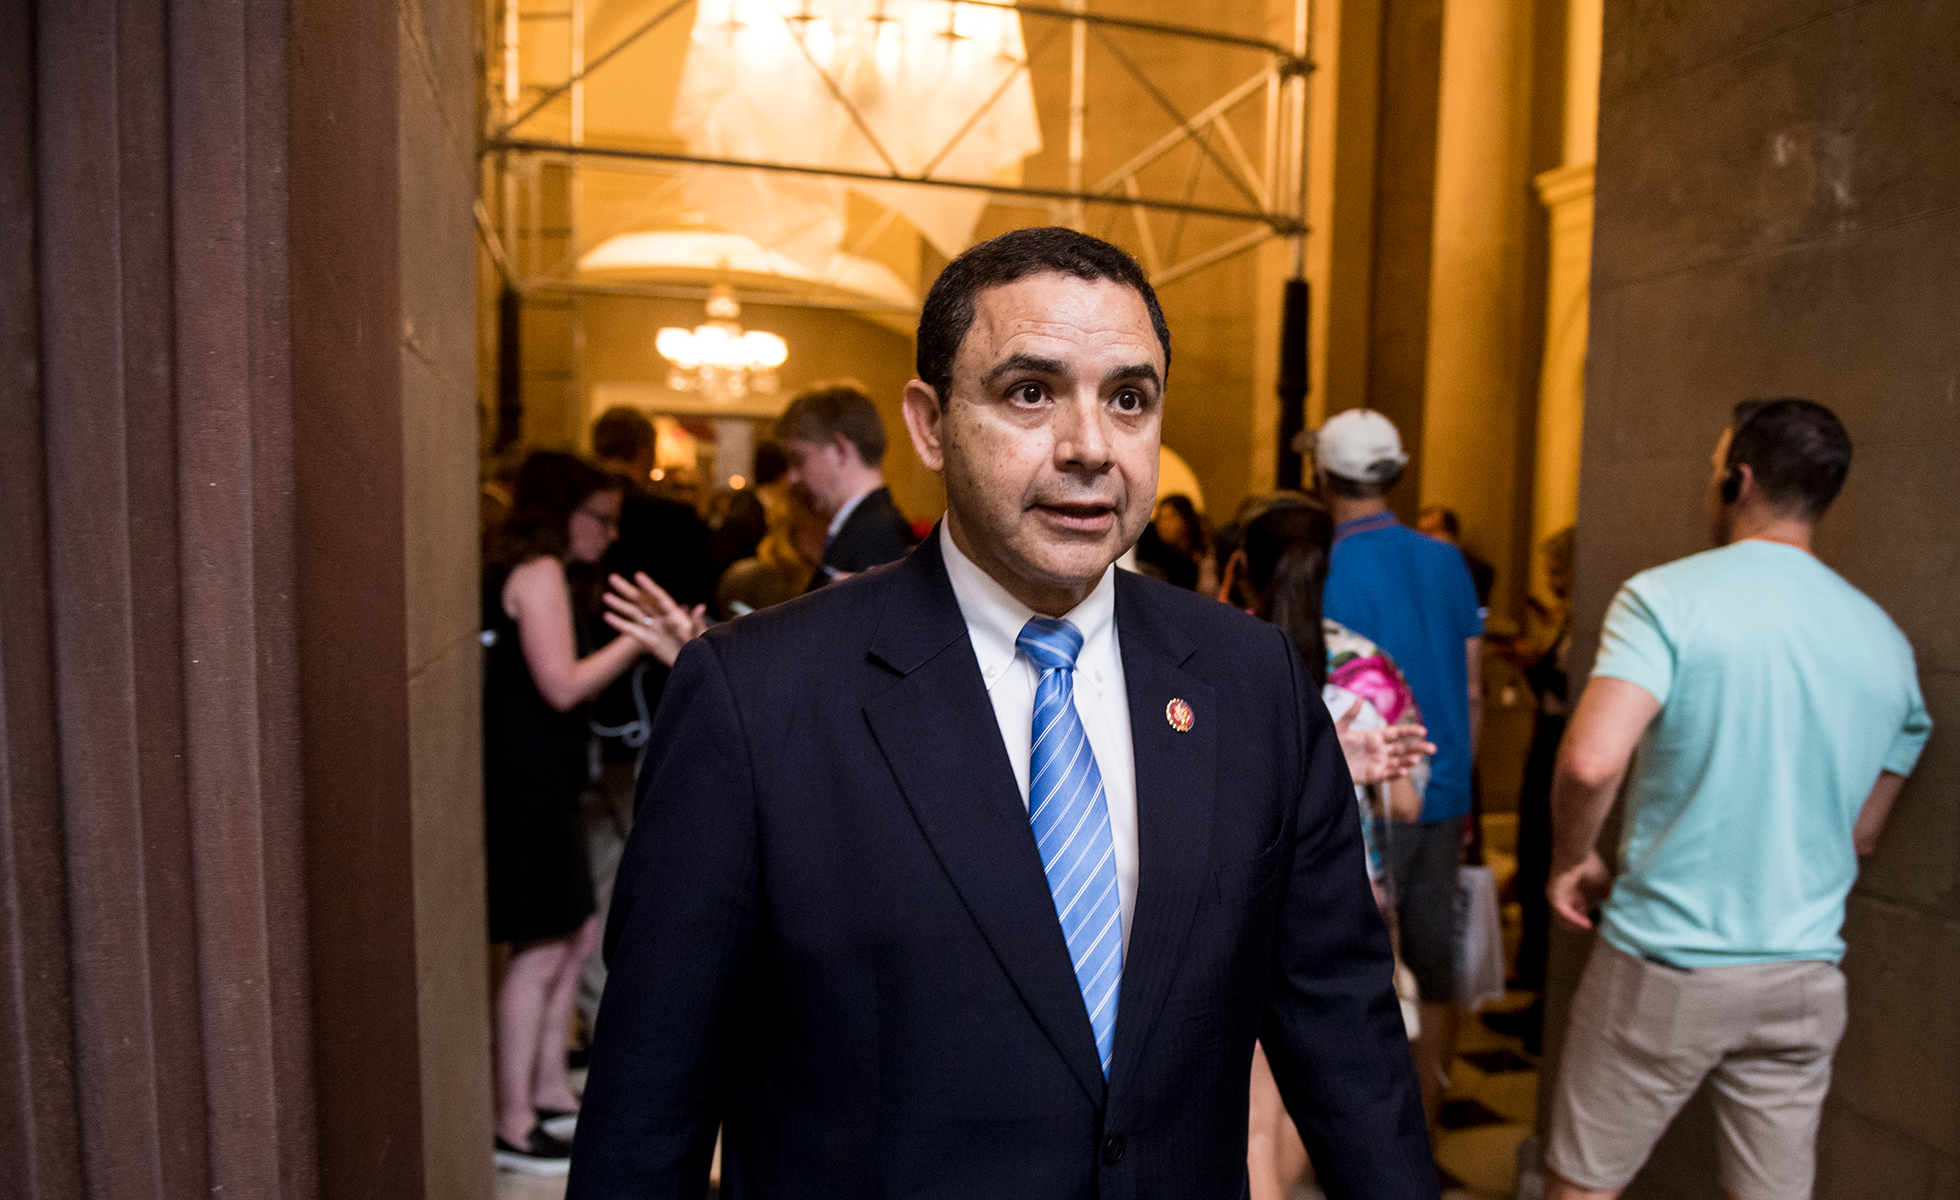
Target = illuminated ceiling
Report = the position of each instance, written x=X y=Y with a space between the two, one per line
x=601 y=121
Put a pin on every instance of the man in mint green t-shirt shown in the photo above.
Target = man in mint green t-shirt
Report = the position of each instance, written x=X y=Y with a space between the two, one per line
x=1770 y=713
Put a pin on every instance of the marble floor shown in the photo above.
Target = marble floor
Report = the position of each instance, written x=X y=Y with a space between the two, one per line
x=514 y=1185
x=1492 y=1102
x=1489 y=1109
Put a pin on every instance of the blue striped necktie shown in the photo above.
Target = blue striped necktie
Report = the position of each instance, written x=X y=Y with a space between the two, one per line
x=1071 y=827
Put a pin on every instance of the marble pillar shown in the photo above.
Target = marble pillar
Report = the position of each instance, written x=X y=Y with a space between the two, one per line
x=1472 y=406
x=1567 y=193
x=241 y=930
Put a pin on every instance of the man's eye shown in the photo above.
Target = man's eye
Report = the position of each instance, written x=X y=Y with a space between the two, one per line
x=1128 y=401
x=1029 y=393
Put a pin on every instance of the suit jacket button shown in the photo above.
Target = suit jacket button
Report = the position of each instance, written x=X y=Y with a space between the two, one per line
x=1113 y=1150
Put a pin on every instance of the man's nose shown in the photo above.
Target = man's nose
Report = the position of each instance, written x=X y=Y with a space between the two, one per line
x=1081 y=433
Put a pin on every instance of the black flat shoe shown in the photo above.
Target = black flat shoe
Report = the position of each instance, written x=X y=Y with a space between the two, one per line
x=542 y=1155
x=560 y=1123
x=1526 y=1024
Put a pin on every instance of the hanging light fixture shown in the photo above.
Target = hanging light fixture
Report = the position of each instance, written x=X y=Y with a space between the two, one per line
x=879 y=88
x=718 y=358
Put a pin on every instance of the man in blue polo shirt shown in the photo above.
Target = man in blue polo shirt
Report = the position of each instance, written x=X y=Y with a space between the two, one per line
x=1413 y=596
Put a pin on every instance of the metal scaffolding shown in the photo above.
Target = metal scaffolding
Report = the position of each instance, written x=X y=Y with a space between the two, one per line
x=1268 y=189
x=1264 y=193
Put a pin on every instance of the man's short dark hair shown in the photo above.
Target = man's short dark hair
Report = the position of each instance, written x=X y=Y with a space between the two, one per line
x=948 y=311
x=1447 y=518
x=1363 y=489
x=621 y=434
x=1797 y=449
x=828 y=409
x=770 y=463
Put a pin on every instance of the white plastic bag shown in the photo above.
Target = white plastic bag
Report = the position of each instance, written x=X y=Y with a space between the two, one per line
x=1479 y=941
x=1411 y=1001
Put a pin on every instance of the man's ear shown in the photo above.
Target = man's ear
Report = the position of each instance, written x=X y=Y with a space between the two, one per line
x=1746 y=482
x=1234 y=568
x=922 y=416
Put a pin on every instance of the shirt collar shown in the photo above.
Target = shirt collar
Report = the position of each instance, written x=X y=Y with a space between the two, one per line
x=1367 y=524
x=845 y=510
x=994 y=617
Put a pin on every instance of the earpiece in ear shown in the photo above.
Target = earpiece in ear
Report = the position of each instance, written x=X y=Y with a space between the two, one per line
x=1732 y=478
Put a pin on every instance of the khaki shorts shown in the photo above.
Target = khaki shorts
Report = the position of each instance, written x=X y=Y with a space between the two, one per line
x=1643 y=1037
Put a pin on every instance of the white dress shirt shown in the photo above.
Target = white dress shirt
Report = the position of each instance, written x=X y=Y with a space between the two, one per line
x=993 y=621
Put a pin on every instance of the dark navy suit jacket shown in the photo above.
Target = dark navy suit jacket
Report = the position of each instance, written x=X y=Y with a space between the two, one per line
x=831 y=933
x=874 y=534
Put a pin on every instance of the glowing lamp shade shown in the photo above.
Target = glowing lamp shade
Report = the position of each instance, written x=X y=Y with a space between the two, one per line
x=765 y=350
x=676 y=345
x=716 y=345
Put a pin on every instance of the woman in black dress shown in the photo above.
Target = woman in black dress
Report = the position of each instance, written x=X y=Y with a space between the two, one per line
x=536 y=759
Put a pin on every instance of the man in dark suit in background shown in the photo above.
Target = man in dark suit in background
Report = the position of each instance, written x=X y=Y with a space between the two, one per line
x=669 y=541
x=835 y=441
x=978 y=874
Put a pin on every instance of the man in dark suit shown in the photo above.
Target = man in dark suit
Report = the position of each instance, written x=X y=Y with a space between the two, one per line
x=978 y=875
x=665 y=538
x=669 y=541
x=835 y=441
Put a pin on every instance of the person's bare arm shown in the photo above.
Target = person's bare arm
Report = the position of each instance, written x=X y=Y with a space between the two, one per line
x=1404 y=802
x=1473 y=655
x=1878 y=806
x=537 y=598
x=1593 y=758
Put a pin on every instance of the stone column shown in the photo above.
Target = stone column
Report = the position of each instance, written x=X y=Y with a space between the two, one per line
x=150 y=759
x=1567 y=191
x=435 y=359
x=1472 y=407
x=1402 y=227
x=241 y=922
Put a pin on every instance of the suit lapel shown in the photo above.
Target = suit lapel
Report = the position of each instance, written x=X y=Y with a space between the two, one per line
x=937 y=731
x=1174 y=777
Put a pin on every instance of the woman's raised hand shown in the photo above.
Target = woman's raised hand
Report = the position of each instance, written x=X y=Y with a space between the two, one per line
x=1381 y=754
x=642 y=610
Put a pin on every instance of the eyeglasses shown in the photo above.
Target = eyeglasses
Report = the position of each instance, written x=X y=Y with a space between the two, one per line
x=610 y=522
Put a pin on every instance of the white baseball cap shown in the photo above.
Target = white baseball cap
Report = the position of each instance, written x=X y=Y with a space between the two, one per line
x=1360 y=444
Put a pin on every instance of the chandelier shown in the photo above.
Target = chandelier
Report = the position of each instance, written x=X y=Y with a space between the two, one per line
x=718 y=358
x=885 y=89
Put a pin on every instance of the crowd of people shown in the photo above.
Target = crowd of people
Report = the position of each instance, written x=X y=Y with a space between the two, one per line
x=592 y=583
x=541 y=670
x=828 y=926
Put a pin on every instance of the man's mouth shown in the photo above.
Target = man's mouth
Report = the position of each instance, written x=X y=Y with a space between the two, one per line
x=1088 y=517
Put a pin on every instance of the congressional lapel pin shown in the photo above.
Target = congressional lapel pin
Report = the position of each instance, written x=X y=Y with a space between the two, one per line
x=1178 y=714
